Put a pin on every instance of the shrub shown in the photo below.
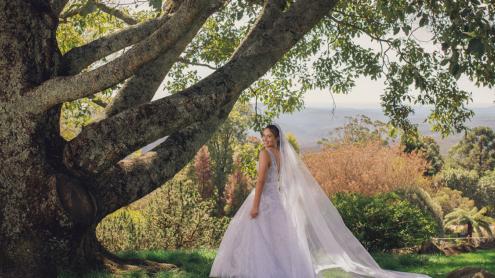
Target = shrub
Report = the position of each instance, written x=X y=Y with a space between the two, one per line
x=173 y=216
x=486 y=191
x=237 y=189
x=459 y=179
x=366 y=168
x=122 y=230
x=178 y=217
x=384 y=221
x=449 y=199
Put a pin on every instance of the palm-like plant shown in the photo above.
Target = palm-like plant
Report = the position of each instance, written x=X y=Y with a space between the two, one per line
x=474 y=219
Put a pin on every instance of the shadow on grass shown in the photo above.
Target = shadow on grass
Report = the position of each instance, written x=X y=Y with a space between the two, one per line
x=190 y=264
x=197 y=263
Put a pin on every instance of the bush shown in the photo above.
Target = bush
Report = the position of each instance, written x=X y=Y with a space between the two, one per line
x=486 y=191
x=460 y=179
x=384 y=221
x=122 y=230
x=174 y=216
x=449 y=199
x=366 y=168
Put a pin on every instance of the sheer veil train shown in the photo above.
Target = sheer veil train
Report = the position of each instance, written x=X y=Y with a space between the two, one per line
x=320 y=229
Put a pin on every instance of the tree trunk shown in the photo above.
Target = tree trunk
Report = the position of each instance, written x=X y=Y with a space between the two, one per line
x=44 y=214
x=48 y=210
x=469 y=229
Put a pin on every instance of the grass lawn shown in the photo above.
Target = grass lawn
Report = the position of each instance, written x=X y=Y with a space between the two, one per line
x=197 y=263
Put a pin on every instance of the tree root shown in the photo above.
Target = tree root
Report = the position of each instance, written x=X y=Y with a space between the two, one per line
x=118 y=265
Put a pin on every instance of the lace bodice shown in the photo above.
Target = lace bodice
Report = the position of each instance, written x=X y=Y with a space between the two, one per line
x=272 y=177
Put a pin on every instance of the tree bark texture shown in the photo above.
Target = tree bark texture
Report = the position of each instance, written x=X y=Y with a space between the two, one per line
x=53 y=193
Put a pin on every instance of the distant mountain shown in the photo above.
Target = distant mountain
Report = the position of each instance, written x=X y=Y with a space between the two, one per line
x=312 y=124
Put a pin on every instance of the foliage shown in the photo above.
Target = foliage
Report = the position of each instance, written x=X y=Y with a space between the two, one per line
x=175 y=216
x=449 y=199
x=197 y=262
x=486 y=191
x=181 y=219
x=360 y=129
x=222 y=145
x=428 y=147
x=460 y=179
x=123 y=230
x=248 y=154
x=367 y=168
x=237 y=189
x=422 y=199
x=329 y=58
x=476 y=151
x=293 y=141
x=384 y=221
x=202 y=169
x=73 y=32
x=474 y=219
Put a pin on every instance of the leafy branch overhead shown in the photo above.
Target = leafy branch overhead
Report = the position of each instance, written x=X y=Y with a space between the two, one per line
x=66 y=59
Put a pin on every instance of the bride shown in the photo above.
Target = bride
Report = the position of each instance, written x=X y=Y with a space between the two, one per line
x=287 y=226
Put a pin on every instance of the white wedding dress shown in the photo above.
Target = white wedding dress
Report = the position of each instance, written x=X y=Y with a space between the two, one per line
x=298 y=233
x=264 y=246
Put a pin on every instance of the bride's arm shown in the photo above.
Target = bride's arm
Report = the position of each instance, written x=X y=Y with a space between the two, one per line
x=264 y=161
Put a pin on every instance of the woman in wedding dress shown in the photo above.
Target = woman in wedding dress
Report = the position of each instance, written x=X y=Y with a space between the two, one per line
x=288 y=228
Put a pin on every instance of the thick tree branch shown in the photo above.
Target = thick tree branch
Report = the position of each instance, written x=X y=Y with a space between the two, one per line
x=185 y=61
x=81 y=57
x=131 y=179
x=68 y=88
x=102 y=144
x=91 y=6
x=141 y=87
x=117 y=13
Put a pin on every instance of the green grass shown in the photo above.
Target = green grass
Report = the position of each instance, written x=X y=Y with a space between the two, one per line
x=437 y=266
x=197 y=263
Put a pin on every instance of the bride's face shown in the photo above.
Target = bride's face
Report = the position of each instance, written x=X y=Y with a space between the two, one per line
x=269 y=139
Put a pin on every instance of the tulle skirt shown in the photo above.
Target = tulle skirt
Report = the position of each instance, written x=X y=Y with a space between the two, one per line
x=262 y=247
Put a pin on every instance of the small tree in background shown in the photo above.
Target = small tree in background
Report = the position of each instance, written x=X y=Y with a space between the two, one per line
x=221 y=147
x=237 y=189
x=474 y=219
x=463 y=180
x=476 y=151
x=450 y=199
x=428 y=147
x=202 y=169
x=360 y=129
x=486 y=192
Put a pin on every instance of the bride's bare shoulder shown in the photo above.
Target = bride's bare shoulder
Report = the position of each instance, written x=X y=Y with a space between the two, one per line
x=264 y=156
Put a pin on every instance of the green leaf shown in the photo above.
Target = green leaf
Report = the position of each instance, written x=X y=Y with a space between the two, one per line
x=476 y=47
x=423 y=21
x=396 y=30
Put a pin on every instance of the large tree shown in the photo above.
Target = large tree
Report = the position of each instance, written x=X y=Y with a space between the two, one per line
x=53 y=192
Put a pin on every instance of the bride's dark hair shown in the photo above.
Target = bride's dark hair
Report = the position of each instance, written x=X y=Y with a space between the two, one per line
x=275 y=131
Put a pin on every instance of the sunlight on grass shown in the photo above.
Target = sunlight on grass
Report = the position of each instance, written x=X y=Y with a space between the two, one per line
x=197 y=263
x=437 y=265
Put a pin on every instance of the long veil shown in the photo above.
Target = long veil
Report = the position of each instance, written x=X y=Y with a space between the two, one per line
x=320 y=229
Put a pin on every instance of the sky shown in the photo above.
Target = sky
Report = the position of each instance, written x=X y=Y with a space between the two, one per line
x=366 y=94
